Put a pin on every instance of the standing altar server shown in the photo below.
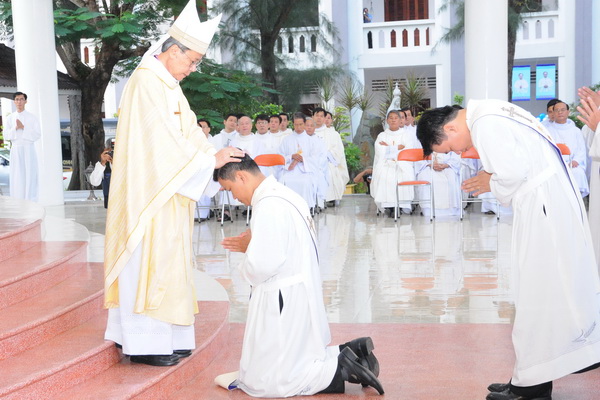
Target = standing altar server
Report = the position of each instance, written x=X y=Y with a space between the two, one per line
x=556 y=288
x=160 y=169
x=23 y=130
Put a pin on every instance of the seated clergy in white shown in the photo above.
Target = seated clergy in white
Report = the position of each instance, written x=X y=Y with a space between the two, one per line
x=387 y=171
x=563 y=130
x=338 y=176
x=443 y=171
x=266 y=143
x=245 y=139
x=286 y=349
x=300 y=170
x=320 y=154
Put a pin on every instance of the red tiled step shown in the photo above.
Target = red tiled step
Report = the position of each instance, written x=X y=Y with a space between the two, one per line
x=60 y=308
x=125 y=380
x=17 y=235
x=38 y=268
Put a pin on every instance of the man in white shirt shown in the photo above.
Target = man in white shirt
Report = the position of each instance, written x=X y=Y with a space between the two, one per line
x=102 y=170
x=227 y=134
x=23 y=130
x=283 y=127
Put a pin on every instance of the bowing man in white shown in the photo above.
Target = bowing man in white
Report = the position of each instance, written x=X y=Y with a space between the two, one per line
x=338 y=176
x=556 y=287
x=590 y=116
x=563 y=130
x=443 y=171
x=301 y=167
x=387 y=171
x=148 y=286
x=286 y=349
x=23 y=130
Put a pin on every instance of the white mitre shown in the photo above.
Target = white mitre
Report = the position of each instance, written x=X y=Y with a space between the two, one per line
x=190 y=32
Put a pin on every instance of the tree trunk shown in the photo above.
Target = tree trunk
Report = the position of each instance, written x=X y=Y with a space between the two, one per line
x=268 y=61
x=77 y=145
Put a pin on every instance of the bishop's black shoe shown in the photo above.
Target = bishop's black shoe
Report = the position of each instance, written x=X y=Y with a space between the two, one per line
x=353 y=371
x=363 y=348
x=508 y=395
x=158 y=360
x=182 y=353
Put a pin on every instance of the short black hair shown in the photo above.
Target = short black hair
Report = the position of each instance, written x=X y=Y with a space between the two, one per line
x=318 y=110
x=228 y=170
x=275 y=116
x=261 y=117
x=281 y=114
x=560 y=101
x=397 y=112
x=204 y=120
x=299 y=115
x=230 y=115
x=551 y=103
x=430 y=129
x=19 y=94
x=330 y=114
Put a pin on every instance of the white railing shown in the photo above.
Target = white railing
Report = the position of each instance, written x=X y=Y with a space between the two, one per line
x=399 y=36
x=539 y=27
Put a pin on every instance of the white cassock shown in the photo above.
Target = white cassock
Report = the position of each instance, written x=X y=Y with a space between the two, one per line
x=555 y=279
x=278 y=136
x=268 y=144
x=387 y=171
x=336 y=163
x=594 y=203
x=303 y=178
x=285 y=350
x=319 y=146
x=23 y=157
x=446 y=185
x=246 y=143
x=571 y=135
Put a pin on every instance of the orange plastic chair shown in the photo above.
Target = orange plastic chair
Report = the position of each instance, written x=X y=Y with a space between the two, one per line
x=413 y=155
x=473 y=155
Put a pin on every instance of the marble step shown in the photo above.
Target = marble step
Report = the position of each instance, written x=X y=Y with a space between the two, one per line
x=43 y=265
x=59 y=308
x=125 y=380
x=17 y=235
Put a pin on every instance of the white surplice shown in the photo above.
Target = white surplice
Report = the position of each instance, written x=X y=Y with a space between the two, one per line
x=594 y=204
x=569 y=134
x=336 y=163
x=555 y=279
x=387 y=171
x=285 y=353
x=446 y=185
x=303 y=178
x=23 y=157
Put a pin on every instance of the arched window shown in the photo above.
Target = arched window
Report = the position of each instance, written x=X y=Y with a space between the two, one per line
x=86 y=55
x=370 y=40
x=550 y=29
x=279 y=45
x=427 y=37
x=393 y=38
x=404 y=38
x=538 y=29
x=302 y=44
x=313 y=43
x=417 y=35
x=381 y=40
x=290 y=44
x=525 y=30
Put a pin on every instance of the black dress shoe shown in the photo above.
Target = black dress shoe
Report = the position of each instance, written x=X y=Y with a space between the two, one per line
x=182 y=353
x=156 y=360
x=498 y=387
x=353 y=371
x=508 y=395
x=363 y=348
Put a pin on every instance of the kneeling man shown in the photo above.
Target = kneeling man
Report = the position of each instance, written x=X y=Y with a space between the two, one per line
x=285 y=350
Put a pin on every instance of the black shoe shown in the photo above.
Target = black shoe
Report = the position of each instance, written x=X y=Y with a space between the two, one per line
x=353 y=371
x=226 y=217
x=363 y=348
x=118 y=346
x=490 y=212
x=156 y=360
x=182 y=353
x=498 y=387
x=508 y=395
x=202 y=219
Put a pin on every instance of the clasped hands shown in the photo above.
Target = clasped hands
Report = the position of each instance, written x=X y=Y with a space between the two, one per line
x=478 y=184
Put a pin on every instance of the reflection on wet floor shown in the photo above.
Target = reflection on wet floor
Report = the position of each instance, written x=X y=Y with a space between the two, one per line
x=375 y=270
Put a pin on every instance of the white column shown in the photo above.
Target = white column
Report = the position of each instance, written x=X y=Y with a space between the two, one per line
x=595 y=38
x=35 y=59
x=567 y=91
x=443 y=67
x=486 y=49
x=355 y=50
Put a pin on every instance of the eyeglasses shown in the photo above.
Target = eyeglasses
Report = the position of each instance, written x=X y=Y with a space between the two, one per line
x=193 y=64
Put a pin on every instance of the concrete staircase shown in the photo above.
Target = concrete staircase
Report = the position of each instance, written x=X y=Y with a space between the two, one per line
x=52 y=322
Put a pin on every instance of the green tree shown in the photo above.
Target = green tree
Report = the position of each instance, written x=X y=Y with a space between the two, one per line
x=253 y=27
x=515 y=9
